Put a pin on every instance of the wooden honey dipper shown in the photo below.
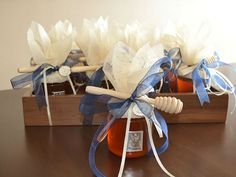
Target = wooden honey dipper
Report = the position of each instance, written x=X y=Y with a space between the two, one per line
x=74 y=69
x=170 y=105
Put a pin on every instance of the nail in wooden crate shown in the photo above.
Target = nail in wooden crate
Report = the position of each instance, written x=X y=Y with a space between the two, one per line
x=65 y=110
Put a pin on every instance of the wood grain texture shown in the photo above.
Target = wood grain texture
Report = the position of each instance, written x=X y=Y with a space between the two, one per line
x=193 y=112
x=65 y=110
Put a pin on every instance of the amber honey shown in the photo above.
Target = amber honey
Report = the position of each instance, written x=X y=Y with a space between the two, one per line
x=172 y=79
x=184 y=85
x=138 y=141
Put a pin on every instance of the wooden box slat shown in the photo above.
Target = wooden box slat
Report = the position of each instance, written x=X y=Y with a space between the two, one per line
x=193 y=112
x=65 y=110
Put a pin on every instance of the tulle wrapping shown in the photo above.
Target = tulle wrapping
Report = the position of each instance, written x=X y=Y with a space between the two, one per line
x=125 y=68
x=194 y=42
x=137 y=34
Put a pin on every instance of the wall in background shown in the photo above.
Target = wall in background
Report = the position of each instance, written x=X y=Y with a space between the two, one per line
x=16 y=16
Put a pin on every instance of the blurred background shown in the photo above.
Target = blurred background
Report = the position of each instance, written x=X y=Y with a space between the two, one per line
x=16 y=16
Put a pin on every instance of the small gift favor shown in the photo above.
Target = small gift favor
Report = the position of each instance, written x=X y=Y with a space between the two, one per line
x=52 y=63
x=198 y=70
x=132 y=112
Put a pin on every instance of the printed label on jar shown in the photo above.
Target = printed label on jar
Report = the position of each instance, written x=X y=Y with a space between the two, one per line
x=58 y=93
x=135 y=141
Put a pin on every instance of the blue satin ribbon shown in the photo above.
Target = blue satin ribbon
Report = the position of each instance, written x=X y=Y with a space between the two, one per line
x=36 y=79
x=200 y=83
x=89 y=102
x=175 y=54
x=118 y=108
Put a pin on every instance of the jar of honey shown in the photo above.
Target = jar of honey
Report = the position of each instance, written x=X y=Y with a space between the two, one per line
x=172 y=80
x=184 y=85
x=137 y=140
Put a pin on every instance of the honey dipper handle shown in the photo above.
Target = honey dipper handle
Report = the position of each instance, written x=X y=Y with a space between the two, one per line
x=101 y=91
x=167 y=104
x=74 y=69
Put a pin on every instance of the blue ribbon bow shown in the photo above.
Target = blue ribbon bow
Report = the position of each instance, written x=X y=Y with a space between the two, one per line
x=209 y=69
x=36 y=79
x=89 y=102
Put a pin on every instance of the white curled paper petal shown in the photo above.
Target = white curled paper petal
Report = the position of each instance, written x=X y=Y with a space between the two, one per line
x=138 y=34
x=40 y=36
x=96 y=38
x=52 y=48
x=61 y=30
x=82 y=36
x=35 y=48
x=60 y=51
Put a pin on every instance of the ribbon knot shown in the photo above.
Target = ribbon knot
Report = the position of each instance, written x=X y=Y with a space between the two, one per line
x=36 y=78
x=56 y=68
x=205 y=74
x=132 y=97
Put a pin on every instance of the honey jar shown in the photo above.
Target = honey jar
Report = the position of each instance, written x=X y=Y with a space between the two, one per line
x=184 y=85
x=137 y=140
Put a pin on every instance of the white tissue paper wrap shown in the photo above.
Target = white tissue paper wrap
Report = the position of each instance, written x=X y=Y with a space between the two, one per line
x=137 y=34
x=96 y=38
x=53 y=47
x=194 y=42
x=125 y=68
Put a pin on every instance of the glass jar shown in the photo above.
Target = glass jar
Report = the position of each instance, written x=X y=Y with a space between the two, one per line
x=184 y=85
x=137 y=141
x=172 y=80
x=56 y=89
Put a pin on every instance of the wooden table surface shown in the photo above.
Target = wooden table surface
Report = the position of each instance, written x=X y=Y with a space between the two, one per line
x=196 y=150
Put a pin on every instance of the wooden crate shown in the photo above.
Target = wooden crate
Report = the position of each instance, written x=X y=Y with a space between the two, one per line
x=65 y=110
x=193 y=112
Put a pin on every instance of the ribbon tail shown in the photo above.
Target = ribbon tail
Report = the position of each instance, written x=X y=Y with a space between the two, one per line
x=89 y=100
x=92 y=152
x=154 y=149
x=37 y=77
x=148 y=112
x=21 y=80
x=162 y=122
x=71 y=85
x=46 y=96
x=157 y=126
x=103 y=133
x=200 y=88
x=125 y=145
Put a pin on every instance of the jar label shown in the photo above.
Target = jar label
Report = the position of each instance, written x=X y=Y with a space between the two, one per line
x=58 y=93
x=135 y=141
